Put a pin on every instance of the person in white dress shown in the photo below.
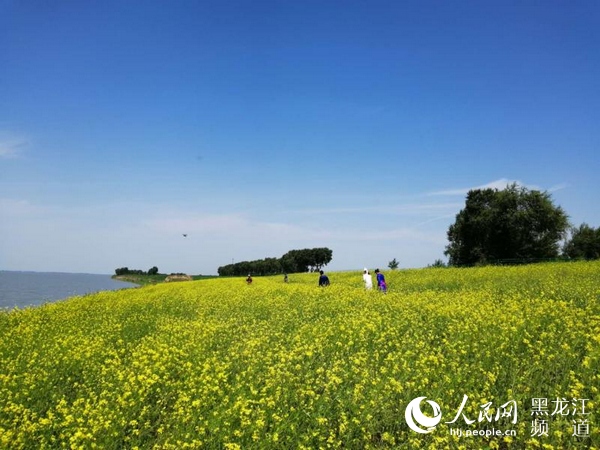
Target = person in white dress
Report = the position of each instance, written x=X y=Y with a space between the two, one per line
x=367 y=279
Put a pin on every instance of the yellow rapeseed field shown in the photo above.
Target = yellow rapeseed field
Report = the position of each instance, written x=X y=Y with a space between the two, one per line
x=511 y=354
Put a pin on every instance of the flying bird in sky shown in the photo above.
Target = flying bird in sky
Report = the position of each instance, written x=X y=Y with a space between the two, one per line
x=185 y=235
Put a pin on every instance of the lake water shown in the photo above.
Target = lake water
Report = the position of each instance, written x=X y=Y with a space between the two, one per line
x=23 y=289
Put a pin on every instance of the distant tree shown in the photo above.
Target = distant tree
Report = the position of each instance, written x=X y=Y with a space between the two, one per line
x=153 y=270
x=438 y=263
x=271 y=266
x=127 y=271
x=121 y=271
x=514 y=223
x=321 y=257
x=225 y=271
x=288 y=263
x=584 y=243
x=393 y=264
x=305 y=260
x=302 y=259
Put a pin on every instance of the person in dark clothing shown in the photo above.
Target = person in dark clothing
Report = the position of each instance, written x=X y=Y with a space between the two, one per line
x=323 y=279
x=381 y=284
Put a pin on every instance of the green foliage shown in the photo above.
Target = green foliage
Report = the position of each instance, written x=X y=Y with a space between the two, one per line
x=307 y=260
x=126 y=271
x=514 y=223
x=393 y=264
x=584 y=243
x=438 y=263
x=294 y=261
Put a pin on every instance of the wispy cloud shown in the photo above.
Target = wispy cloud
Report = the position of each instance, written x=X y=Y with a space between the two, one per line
x=17 y=207
x=401 y=209
x=140 y=235
x=558 y=187
x=393 y=235
x=12 y=147
x=497 y=184
x=240 y=227
x=226 y=226
x=435 y=219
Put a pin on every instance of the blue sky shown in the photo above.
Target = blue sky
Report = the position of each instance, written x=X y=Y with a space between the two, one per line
x=257 y=127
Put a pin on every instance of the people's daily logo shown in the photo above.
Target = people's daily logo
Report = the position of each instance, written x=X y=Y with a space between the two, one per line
x=414 y=414
x=498 y=420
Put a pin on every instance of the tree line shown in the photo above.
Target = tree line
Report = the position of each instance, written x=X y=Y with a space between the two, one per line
x=127 y=271
x=516 y=225
x=294 y=261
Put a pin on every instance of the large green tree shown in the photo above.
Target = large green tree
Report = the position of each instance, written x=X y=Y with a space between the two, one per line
x=509 y=224
x=584 y=243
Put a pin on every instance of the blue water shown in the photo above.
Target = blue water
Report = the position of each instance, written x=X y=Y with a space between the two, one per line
x=22 y=289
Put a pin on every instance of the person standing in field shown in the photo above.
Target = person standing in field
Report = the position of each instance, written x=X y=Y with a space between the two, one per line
x=367 y=279
x=249 y=279
x=381 y=284
x=323 y=279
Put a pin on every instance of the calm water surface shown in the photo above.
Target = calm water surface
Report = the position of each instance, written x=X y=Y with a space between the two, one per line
x=23 y=289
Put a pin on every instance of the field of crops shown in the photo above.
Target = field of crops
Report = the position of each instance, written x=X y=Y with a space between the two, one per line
x=219 y=364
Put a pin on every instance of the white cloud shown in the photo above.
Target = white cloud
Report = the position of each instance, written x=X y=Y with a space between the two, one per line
x=223 y=226
x=402 y=209
x=11 y=207
x=558 y=187
x=394 y=235
x=12 y=147
x=499 y=184
x=100 y=238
